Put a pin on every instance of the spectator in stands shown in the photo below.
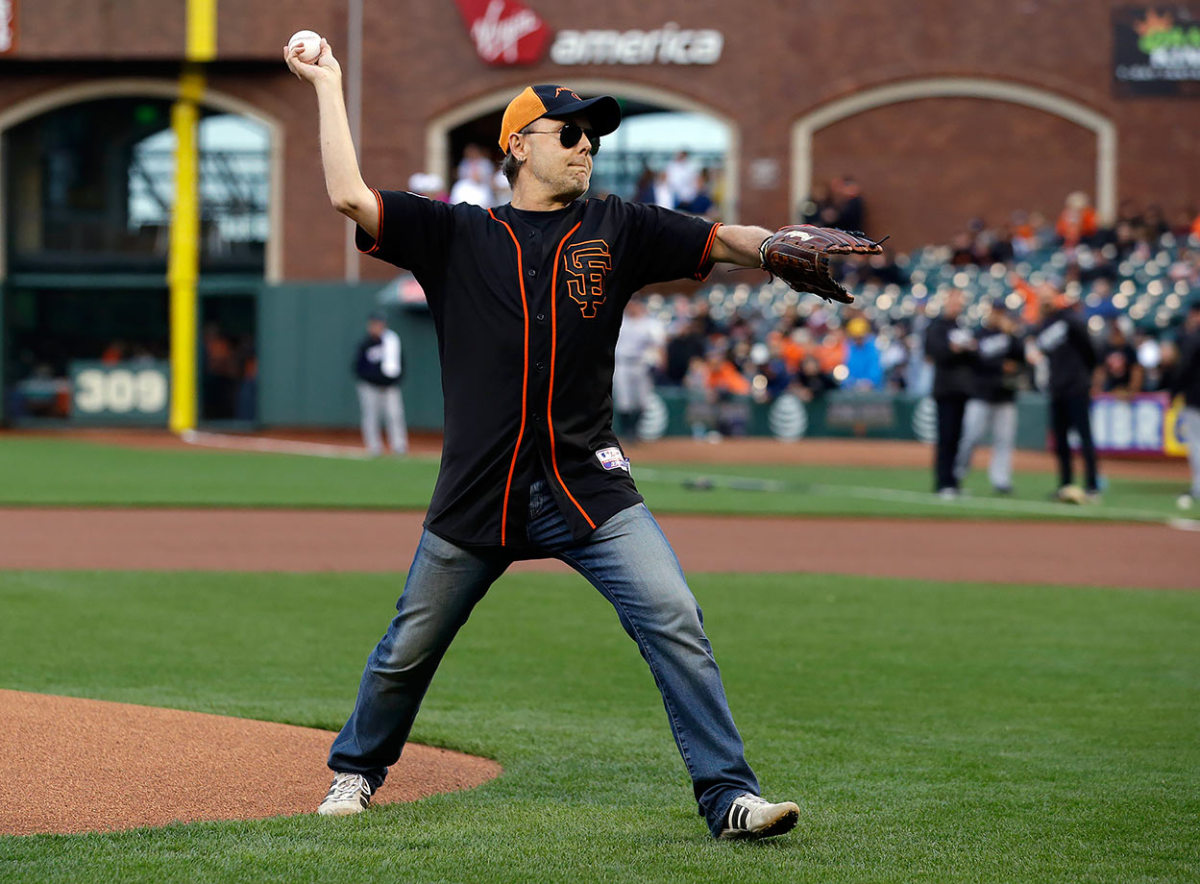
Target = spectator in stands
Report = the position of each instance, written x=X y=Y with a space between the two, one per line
x=729 y=390
x=427 y=185
x=1186 y=383
x=643 y=189
x=220 y=374
x=1118 y=370
x=893 y=357
x=1168 y=366
x=810 y=383
x=475 y=186
x=1154 y=222
x=662 y=195
x=992 y=407
x=819 y=207
x=1186 y=267
x=847 y=197
x=831 y=351
x=864 y=371
x=952 y=350
x=702 y=203
x=1062 y=341
x=1149 y=356
x=682 y=179
x=701 y=413
x=963 y=250
x=772 y=369
x=1077 y=220
x=682 y=349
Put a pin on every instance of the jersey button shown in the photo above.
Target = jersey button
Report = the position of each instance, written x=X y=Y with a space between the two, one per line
x=541 y=366
x=531 y=272
x=541 y=317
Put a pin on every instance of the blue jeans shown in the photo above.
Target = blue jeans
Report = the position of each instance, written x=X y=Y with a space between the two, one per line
x=629 y=560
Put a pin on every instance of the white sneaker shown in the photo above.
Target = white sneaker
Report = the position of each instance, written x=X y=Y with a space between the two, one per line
x=350 y=793
x=754 y=817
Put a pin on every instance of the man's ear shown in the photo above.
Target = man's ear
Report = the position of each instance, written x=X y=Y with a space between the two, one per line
x=517 y=147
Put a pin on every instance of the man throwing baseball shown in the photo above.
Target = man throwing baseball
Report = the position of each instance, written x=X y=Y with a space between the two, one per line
x=527 y=300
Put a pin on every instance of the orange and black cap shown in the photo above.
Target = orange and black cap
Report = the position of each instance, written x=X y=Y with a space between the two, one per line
x=557 y=103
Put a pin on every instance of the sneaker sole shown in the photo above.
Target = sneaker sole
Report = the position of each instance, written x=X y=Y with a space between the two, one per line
x=340 y=810
x=783 y=824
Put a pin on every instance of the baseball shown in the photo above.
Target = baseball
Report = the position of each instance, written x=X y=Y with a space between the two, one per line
x=310 y=40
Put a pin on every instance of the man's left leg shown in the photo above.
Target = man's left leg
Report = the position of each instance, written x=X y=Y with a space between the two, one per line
x=630 y=561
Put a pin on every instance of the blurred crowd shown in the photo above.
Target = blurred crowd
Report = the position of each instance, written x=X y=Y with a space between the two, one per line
x=760 y=343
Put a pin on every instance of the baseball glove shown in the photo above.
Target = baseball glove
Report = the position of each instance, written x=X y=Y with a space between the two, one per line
x=799 y=255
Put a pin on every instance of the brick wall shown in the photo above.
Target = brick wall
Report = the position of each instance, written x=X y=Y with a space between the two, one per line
x=926 y=165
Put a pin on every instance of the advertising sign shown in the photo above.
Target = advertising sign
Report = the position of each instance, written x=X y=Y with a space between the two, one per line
x=123 y=393
x=507 y=32
x=1139 y=424
x=1156 y=51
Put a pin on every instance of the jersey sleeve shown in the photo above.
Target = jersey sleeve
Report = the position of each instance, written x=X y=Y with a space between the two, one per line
x=414 y=232
x=670 y=245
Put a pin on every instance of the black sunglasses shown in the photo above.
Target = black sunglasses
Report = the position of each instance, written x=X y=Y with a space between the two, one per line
x=569 y=135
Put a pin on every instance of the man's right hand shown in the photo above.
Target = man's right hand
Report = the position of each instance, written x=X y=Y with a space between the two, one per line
x=324 y=70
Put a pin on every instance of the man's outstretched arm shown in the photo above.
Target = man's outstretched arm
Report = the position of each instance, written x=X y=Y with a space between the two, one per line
x=739 y=245
x=347 y=191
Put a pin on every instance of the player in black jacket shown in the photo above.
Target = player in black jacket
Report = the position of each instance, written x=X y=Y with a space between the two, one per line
x=992 y=406
x=951 y=348
x=1062 y=338
x=1186 y=382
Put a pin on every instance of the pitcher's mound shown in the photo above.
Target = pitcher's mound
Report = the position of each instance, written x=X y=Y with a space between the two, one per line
x=71 y=765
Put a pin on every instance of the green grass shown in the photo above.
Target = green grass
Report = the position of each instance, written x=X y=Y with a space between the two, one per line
x=65 y=472
x=930 y=732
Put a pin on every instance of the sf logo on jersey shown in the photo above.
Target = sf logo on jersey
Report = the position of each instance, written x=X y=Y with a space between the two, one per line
x=587 y=263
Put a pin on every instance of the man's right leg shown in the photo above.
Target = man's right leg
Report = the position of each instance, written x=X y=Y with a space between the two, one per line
x=1004 y=441
x=1060 y=423
x=443 y=585
x=975 y=422
x=368 y=407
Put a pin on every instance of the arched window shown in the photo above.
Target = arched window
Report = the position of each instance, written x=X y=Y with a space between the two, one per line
x=90 y=187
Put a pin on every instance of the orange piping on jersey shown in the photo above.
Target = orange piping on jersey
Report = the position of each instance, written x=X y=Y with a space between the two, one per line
x=379 y=231
x=524 y=384
x=701 y=273
x=553 y=352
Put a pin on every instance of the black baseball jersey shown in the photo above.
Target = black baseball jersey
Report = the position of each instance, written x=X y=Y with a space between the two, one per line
x=1064 y=339
x=994 y=349
x=952 y=369
x=527 y=306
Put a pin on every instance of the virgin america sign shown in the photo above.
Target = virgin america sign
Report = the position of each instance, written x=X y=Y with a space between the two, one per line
x=506 y=32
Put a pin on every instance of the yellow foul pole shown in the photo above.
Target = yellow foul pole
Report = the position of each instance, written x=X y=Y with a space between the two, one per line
x=183 y=263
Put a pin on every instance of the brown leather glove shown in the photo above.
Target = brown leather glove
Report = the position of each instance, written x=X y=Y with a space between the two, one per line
x=799 y=255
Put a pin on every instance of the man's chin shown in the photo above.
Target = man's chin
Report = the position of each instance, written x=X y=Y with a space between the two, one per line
x=572 y=191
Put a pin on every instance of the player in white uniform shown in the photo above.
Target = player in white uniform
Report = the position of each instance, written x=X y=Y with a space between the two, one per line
x=639 y=349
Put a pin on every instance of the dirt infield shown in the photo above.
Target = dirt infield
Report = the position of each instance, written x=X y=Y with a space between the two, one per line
x=302 y=541
x=72 y=765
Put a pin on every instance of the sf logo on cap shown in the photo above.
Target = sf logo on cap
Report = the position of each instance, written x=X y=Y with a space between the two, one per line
x=568 y=91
